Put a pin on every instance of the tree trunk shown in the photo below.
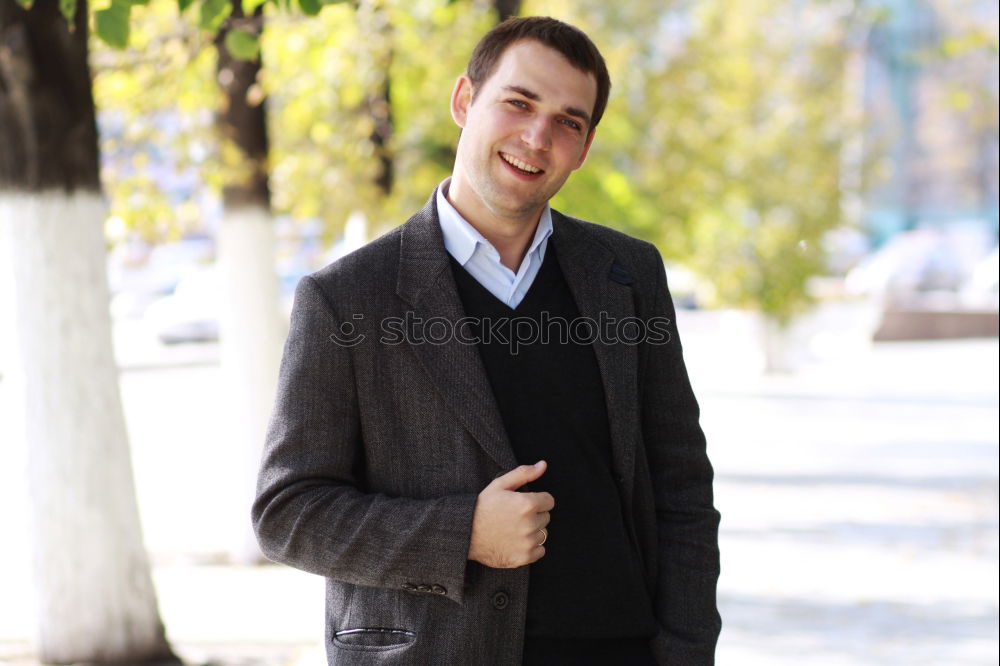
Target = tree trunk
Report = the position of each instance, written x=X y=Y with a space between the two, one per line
x=379 y=100
x=782 y=350
x=377 y=58
x=506 y=8
x=375 y=55
x=95 y=596
x=380 y=108
x=251 y=331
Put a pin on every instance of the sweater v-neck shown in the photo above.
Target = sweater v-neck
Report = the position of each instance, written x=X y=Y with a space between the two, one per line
x=547 y=274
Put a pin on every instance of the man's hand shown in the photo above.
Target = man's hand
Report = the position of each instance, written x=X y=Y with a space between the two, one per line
x=507 y=525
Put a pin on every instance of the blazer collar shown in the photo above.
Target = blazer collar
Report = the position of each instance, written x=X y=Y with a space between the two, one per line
x=423 y=256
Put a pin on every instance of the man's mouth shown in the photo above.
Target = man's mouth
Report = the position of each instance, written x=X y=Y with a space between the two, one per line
x=523 y=167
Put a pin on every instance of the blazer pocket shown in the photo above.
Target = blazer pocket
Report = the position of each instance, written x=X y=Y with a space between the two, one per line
x=373 y=639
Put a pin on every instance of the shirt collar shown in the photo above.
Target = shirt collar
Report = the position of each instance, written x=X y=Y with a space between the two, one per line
x=461 y=238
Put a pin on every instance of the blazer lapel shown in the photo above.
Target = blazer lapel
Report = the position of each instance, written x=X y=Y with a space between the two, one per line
x=425 y=282
x=600 y=287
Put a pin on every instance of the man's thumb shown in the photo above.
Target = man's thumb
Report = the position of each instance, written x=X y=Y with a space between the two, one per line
x=521 y=475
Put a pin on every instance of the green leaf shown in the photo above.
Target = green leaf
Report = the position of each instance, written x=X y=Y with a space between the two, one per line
x=112 y=24
x=213 y=13
x=183 y=4
x=68 y=9
x=242 y=45
x=310 y=7
x=250 y=6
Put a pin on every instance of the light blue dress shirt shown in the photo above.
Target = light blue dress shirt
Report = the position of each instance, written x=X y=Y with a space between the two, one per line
x=478 y=256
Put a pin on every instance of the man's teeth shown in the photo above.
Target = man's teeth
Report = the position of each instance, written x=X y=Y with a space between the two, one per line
x=519 y=164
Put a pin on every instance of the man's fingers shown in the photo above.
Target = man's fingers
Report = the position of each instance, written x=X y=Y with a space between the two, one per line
x=541 y=520
x=519 y=476
x=542 y=501
x=537 y=553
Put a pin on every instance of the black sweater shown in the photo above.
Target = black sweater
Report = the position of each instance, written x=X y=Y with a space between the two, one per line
x=551 y=398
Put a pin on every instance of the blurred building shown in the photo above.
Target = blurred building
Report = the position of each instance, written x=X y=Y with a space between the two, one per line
x=929 y=90
x=930 y=97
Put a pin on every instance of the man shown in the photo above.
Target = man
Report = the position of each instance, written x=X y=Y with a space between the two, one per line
x=484 y=435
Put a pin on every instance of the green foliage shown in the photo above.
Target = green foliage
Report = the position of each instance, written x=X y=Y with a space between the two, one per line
x=111 y=18
x=242 y=44
x=966 y=54
x=112 y=23
x=250 y=6
x=320 y=72
x=212 y=13
x=155 y=102
x=723 y=139
x=67 y=7
x=310 y=7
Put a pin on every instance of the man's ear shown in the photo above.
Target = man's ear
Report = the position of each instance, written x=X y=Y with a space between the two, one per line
x=586 y=149
x=461 y=99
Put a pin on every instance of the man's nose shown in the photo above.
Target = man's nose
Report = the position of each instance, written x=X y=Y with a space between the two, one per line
x=537 y=133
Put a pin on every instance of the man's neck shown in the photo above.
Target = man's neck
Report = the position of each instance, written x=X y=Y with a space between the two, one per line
x=510 y=237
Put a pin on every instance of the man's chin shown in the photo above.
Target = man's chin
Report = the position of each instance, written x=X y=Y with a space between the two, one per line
x=516 y=205
x=517 y=209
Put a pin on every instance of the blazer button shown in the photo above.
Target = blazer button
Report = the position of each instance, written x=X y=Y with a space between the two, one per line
x=500 y=600
x=409 y=587
x=423 y=588
x=439 y=589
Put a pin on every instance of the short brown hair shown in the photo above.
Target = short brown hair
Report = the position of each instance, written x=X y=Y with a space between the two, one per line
x=569 y=41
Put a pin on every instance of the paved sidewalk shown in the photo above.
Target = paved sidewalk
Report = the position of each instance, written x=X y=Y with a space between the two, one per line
x=859 y=501
x=860 y=510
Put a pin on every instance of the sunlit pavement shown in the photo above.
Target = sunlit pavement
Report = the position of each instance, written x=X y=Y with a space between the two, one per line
x=859 y=504
x=859 y=500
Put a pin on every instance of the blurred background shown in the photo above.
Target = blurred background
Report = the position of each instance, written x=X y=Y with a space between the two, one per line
x=821 y=177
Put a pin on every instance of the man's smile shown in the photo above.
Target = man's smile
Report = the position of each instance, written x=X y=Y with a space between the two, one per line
x=520 y=165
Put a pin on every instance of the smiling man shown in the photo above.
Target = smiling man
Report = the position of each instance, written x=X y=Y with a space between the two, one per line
x=484 y=436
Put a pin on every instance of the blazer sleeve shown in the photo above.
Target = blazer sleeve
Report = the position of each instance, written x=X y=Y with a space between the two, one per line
x=681 y=474
x=311 y=509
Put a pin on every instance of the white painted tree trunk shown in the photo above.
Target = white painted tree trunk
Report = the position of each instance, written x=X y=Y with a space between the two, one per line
x=781 y=349
x=95 y=596
x=251 y=337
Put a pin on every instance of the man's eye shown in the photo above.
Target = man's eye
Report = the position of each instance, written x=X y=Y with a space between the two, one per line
x=572 y=124
x=518 y=103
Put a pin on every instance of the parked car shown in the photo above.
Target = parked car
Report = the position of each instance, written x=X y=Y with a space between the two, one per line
x=191 y=312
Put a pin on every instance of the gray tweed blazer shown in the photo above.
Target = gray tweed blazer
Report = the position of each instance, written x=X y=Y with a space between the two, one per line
x=385 y=429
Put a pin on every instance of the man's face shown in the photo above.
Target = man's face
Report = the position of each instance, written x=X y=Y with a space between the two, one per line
x=527 y=129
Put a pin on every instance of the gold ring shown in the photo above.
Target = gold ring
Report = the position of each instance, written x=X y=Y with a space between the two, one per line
x=545 y=536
